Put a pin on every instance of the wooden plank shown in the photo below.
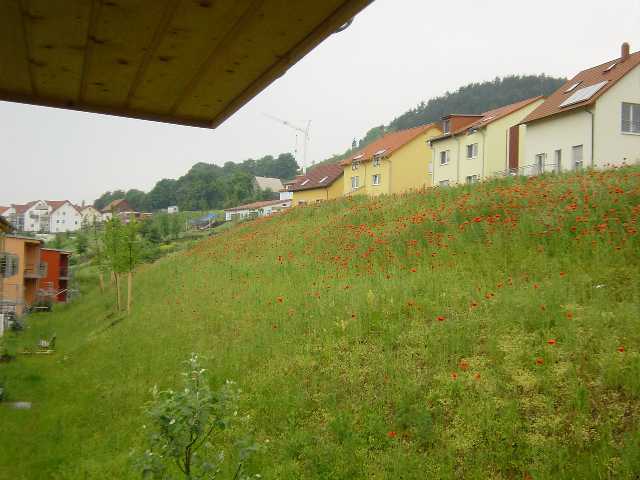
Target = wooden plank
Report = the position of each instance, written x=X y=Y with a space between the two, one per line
x=125 y=35
x=194 y=32
x=57 y=35
x=14 y=56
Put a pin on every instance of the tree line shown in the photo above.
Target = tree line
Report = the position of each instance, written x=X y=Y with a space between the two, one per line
x=208 y=186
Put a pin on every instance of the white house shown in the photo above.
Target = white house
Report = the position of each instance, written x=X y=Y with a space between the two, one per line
x=593 y=120
x=63 y=217
x=90 y=214
x=172 y=209
x=45 y=216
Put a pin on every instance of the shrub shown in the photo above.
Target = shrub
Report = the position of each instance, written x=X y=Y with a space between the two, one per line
x=188 y=428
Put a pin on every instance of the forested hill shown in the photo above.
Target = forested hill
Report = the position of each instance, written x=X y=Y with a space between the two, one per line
x=208 y=186
x=473 y=98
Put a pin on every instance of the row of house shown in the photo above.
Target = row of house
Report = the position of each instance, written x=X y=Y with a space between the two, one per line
x=29 y=273
x=593 y=121
x=57 y=216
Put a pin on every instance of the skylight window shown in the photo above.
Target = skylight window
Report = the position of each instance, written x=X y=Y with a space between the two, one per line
x=583 y=94
x=323 y=179
x=304 y=183
x=610 y=67
x=573 y=87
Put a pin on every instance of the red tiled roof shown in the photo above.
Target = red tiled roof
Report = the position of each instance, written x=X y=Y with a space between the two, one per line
x=389 y=143
x=329 y=173
x=491 y=116
x=3 y=209
x=255 y=205
x=114 y=204
x=56 y=204
x=586 y=78
x=23 y=208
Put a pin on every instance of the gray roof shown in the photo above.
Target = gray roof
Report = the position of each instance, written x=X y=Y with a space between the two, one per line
x=273 y=184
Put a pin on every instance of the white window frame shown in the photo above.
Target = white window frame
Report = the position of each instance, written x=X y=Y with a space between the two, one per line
x=557 y=159
x=446 y=125
x=355 y=165
x=355 y=182
x=474 y=151
x=631 y=124
x=376 y=160
x=443 y=183
x=446 y=157
x=472 y=179
x=375 y=179
x=577 y=164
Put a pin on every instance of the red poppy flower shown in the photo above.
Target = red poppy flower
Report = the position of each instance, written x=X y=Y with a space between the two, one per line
x=454 y=376
x=280 y=299
x=621 y=349
x=477 y=219
x=440 y=318
x=551 y=341
x=569 y=315
x=464 y=365
x=391 y=434
x=562 y=274
x=414 y=270
x=477 y=376
x=539 y=361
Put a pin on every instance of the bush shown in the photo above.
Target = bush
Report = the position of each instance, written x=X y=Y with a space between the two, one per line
x=183 y=426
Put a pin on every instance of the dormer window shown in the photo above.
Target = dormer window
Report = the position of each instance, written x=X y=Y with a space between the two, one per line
x=446 y=126
x=378 y=156
x=355 y=165
x=610 y=67
x=323 y=179
x=304 y=183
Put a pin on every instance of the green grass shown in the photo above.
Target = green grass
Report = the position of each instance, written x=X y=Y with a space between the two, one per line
x=404 y=337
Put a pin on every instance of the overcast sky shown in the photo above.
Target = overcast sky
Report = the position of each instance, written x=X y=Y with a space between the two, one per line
x=395 y=54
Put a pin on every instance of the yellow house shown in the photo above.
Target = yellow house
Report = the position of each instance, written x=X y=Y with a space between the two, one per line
x=475 y=147
x=319 y=184
x=398 y=162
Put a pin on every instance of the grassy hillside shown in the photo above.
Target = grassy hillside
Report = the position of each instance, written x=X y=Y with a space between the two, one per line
x=479 y=332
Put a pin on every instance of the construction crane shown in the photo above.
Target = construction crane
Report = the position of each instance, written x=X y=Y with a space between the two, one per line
x=305 y=136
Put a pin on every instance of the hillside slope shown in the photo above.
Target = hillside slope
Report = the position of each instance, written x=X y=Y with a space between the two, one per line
x=490 y=331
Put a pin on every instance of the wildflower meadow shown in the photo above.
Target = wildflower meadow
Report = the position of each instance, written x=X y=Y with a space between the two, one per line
x=482 y=331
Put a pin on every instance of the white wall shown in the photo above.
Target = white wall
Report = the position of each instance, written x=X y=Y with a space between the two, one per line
x=612 y=147
x=560 y=132
x=65 y=219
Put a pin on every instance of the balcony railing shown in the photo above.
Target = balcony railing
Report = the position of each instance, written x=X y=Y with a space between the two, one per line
x=35 y=270
x=65 y=272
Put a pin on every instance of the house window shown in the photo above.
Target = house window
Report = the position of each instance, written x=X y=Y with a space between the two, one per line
x=540 y=161
x=444 y=157
x=376 y=160
x=557 y=158
x=444 y=183
x=472 y=151
x=576 y=154
x=472 y=178
x=375 y=179
x=446 y=126
x=355 y=165
x=630 y=117
x=354 y=182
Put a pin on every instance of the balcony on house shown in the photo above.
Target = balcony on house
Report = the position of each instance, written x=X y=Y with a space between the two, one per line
x=35 y=270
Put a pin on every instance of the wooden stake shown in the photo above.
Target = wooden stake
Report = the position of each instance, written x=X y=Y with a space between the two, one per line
x=101 y=282
x=115 y=275
x=130 y=291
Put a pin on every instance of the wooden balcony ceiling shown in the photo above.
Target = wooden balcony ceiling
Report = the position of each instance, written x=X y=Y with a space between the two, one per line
x=192 y=62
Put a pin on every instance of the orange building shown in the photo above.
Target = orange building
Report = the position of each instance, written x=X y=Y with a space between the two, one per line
x=57 y=278
x=21 y=290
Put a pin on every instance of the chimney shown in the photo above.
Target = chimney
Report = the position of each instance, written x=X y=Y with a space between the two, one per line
x=624 y=51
